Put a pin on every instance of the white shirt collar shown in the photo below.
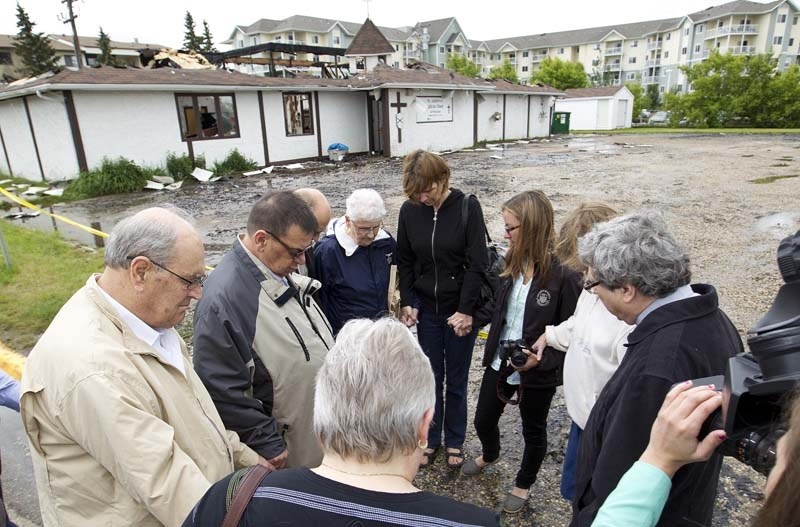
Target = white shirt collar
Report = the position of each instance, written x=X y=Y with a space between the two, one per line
x=682 y=293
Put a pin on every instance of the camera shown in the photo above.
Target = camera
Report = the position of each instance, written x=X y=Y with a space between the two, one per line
x=511 y=351
x=756 y=384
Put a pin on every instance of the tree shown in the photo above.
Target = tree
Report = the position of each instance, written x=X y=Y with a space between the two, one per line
x=104 y=43
x=33 y=49
x=206 y=41
x=652 y=97
x=191 y=42
x=738 y=90
x=561 y=74
x=505 y=71
x=462 y=65
x=639 y=100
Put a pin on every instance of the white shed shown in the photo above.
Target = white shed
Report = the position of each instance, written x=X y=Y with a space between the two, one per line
x=604 y=108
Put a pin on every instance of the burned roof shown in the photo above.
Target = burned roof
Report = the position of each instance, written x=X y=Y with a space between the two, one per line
x=369 y=41
x=422 y=75
x=503 y=86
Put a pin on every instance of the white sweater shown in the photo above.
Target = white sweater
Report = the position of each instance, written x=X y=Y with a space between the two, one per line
x=594 y=340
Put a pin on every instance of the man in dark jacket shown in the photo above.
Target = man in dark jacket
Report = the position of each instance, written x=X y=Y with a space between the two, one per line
x=642 y=277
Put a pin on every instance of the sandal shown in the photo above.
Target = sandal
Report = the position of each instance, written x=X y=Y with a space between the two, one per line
x=456 y=452
x=430 y=457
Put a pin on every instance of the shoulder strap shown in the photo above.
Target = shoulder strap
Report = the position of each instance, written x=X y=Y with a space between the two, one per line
x=465 y=215
x=243 y=494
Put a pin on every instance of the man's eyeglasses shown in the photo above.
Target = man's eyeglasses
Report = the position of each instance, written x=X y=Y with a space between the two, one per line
x=509 y=230
x=190 y=283
x=293 y=252
x=589 y=286
x=363 y=231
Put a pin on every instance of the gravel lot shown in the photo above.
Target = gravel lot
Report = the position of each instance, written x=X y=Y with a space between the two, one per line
x=702 y=184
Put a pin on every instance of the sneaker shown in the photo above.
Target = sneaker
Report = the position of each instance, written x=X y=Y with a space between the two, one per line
x=513 y=504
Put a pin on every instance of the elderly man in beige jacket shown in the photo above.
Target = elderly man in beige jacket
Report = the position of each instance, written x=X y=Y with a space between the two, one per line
x=122 y=431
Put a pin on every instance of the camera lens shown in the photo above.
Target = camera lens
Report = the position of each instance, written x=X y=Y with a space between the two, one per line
x=758 y=448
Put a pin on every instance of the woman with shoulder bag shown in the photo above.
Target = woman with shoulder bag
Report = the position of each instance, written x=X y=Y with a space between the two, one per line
x=535 y=291
x=441 y=273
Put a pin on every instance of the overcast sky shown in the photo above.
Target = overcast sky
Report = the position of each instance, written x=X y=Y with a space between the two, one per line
x=161 y=21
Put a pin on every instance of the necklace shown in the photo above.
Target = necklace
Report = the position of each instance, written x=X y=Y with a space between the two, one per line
x=367 y=473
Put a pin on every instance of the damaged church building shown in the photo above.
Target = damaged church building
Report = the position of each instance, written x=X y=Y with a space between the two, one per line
x=54 y=126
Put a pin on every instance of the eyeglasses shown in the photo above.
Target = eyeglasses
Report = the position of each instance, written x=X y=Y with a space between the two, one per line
x=509 y=230
x=589 y=286
x=293 y=252
x=363 y=231
x=190 y=283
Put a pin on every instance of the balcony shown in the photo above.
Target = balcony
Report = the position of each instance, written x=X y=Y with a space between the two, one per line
x=538 y=58
x=652 y=63
x=654 y=79
x=613 y=51
x=742 y=29
x=612 y=67
x=410 y=54
x=654 y=45
x=742 y=50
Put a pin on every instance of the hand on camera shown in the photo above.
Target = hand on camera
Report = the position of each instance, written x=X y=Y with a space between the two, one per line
x=534 y=358
x=408 y=315
x=673 y=438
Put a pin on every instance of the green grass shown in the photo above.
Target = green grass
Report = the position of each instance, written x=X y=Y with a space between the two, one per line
x=46 y=271
x=663 y=130
x=770 y=179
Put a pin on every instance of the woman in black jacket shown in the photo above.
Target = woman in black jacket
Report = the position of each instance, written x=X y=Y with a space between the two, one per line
x=441 y=264
x=536 y=290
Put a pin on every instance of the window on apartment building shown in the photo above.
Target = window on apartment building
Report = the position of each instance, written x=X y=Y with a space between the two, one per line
x=794 y=20
x=396 y=65
x=298 y=114
x=595 y=62
x=524 y=68
x=697 y=48
x=686 y=31
x=5 y=57
x=337 y=40
x=631 y=60
x=240 y=43
x=684 y=50
x=777 y=40
x=596 y=47
x=524 y=54
x=315 y=39
x=781 y=19
x=791 y=43
x=630 y=76
x=560 y=51
x=679 y=88
x=662 y=89
x=698 y=28
x=717 y=44
x=290 y=38
x=669 y=36
x=411 y=47
x=441 y=49
x=635 y=44
x=69 y=60
x=205 y=117
x=512 y=56
x=278 y=38
x=720 y=23
x=666 y=54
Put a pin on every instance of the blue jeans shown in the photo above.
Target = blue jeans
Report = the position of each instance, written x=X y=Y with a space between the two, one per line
x=570 y=461
x=450 y=358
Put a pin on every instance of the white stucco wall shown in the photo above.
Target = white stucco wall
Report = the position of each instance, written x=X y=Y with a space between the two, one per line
x=540 y=115
x=54 y=137
x=516 y=117
x=17 y=136
x=583 y=113
x=343 y=118
x=281 y=146
x=605 y=114
x=598 y=113
x=490 y=129
x=435 y=136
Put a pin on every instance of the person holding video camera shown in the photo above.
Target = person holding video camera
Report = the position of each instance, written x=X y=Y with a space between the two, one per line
x=535 y=291
x=642 y=276
x=642 y=492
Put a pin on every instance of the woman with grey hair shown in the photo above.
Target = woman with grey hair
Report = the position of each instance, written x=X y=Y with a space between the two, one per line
x=373 y=407
x=641 y=274
x=353 y=261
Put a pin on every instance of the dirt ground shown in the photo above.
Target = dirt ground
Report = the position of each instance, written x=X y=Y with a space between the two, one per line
x=704 y=186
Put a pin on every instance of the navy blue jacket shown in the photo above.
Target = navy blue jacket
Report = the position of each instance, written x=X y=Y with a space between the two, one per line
x=354 y=286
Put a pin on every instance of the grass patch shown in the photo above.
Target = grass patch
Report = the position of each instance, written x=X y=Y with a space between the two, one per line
x=235 y=163
x=688 y=131
x=770 y=179
x=46 y=271
x=181 y=167
x=112 y=177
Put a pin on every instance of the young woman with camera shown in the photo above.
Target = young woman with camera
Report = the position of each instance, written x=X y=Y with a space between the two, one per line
x=535 y=291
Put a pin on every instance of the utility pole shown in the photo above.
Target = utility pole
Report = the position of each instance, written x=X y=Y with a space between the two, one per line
x=69 y=18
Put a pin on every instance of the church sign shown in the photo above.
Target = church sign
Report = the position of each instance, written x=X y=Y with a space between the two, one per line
x=432 y=109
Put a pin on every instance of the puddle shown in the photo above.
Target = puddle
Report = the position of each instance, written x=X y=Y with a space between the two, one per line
x=785 y=222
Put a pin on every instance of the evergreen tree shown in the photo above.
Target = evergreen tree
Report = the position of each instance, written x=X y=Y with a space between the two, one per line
x=34 y=49
x=191 y=42
x=104 y=43
x=207 y=41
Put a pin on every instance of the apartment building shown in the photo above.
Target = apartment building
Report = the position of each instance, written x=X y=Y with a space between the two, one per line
x=125 y=53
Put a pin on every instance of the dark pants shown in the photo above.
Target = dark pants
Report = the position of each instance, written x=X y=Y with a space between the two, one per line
x=570 y=463
x=533 y=409
x=450 y=357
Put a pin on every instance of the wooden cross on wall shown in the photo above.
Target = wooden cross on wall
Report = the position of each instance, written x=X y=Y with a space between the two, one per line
x=399 y=105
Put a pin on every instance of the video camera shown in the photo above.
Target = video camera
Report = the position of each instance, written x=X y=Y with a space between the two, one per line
x=756 y=384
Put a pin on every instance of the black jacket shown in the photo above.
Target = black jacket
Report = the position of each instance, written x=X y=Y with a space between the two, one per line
x=545 y=305
x=686 y=339
x=440 y=263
